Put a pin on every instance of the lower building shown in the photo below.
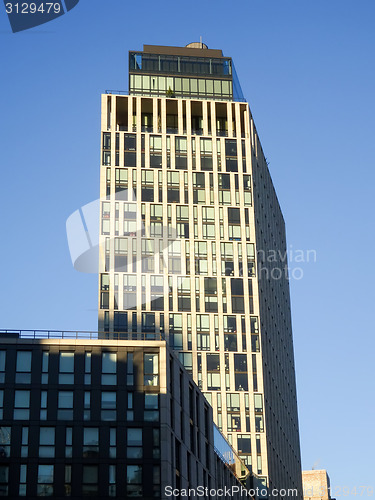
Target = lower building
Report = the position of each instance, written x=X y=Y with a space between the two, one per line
x=316 y=485
x=106 y=419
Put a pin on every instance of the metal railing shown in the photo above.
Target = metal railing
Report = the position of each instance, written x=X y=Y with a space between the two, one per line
x=162 y=93
x=76 y=335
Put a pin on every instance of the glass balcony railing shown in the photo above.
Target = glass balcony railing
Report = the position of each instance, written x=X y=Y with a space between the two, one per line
x=229 y=456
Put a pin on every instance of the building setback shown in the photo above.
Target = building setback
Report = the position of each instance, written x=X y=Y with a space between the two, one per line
x=193 y=246
x=316 y=485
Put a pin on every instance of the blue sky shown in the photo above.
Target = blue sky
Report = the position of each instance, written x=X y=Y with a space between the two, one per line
x=307 y=70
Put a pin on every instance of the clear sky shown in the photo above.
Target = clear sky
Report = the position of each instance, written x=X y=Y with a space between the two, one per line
x=307 y=70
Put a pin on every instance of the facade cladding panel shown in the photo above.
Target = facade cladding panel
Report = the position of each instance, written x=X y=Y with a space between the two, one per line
x=189 y=218
x=106 y=419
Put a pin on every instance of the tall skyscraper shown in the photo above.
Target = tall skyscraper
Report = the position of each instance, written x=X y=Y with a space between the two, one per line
x=193 y=246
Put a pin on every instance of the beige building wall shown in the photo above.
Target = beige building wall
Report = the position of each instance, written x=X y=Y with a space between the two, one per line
x=316 y=485
x=256 y=409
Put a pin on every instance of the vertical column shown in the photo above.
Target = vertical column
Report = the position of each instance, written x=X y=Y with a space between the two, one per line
x=205 y=117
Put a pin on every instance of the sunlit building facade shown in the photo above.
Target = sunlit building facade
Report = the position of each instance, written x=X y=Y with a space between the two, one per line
x=189 y=216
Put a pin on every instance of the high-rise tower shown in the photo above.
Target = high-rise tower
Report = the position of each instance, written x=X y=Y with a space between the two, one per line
x=191 y=231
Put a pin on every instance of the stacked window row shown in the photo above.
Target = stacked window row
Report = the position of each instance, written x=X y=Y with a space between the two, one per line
x=65 y=367
x=52 y=480
x=180 y=293
x=152 y=255
x=180 y=152
x=174 y=188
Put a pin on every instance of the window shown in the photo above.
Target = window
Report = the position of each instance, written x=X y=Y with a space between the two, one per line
x=23 y=483
x=21 y=405
x=156 y=443
x=90 y=480
x=199 y=193
x=87 y=367
x=2 y=366
x=66 y=368
x=112 y=443
x=46 y=442
x=5 y=433
x=112 y=480
x=25 y=442
x=203 y=332
x=183 y=294
x=240 y=372
x=108 y=406
x=157 y=293
x=130 y=369
x=4 y=479
x=173 y=187
x=134 y=443
x=156 y=480
x=86 y=405
x=231 y=155
x=134 y=480
x=210 y=291
x=65 y=405
x=109 y=367
x=224 y=189
x=155 y=151
x=181 y=152
x=148 y=322
x=238 y=304
x=90 y=442
x=186 y=359
x=121 y=254
x=68 y=442
x=45 y=359
x=151 y=407
x=244 y=443
x=174 y=257
x=151 y=369
x=68 y=480
x=148 y=252
x=130 y=293
x=213 y=372
x=148 y=185
x=45 y=480
x=258 y=403
x=23 y=367
x=175 y=331
x=43 y=405
x=121 y=184
x=206 y=154
x=130 y=155
x=130 y=412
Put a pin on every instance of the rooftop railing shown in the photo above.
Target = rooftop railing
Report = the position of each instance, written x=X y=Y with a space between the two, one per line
x=76 y=335
x=162 y=93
